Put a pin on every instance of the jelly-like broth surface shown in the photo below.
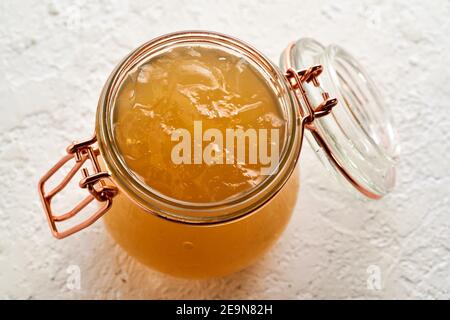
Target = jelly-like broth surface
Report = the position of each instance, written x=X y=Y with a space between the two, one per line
x=176 y=88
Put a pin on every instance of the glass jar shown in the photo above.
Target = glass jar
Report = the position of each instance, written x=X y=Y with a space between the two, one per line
x=319 y=90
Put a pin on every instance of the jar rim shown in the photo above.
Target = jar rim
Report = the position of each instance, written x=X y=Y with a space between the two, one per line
x=191 y=212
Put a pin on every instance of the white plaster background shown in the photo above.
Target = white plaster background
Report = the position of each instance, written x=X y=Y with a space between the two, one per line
x=54 y=59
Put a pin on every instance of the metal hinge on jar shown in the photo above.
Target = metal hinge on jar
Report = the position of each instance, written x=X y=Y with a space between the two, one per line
x=95 y=183
x=308 y=111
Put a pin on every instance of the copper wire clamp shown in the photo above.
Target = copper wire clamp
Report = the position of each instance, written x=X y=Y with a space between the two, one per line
x=95 y=183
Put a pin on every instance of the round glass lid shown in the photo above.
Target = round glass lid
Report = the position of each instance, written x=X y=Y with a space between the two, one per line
x=356 y=141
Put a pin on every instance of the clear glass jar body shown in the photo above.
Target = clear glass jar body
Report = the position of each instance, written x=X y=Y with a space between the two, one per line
x=209 y=239
x=200 y=251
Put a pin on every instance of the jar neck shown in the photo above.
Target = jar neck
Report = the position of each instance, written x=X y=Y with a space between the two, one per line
x=182 y=211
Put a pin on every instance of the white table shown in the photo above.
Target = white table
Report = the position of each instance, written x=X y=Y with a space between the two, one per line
x=54 y=59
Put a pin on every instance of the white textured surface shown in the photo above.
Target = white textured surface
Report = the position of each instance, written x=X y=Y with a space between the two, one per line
x=54 y=59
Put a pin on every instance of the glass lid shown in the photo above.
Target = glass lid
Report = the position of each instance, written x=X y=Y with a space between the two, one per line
x=356 y=141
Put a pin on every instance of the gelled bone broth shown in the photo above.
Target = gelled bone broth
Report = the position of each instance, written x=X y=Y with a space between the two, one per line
x=193 y=89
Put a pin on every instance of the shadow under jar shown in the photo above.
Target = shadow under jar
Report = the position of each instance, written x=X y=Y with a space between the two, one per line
x=197 y=140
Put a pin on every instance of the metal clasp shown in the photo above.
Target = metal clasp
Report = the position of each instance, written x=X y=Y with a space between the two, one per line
x=308 y=111
x=95 y=183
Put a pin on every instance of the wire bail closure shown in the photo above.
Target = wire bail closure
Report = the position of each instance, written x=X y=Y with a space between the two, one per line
x=296 y=80
x=95 y=183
